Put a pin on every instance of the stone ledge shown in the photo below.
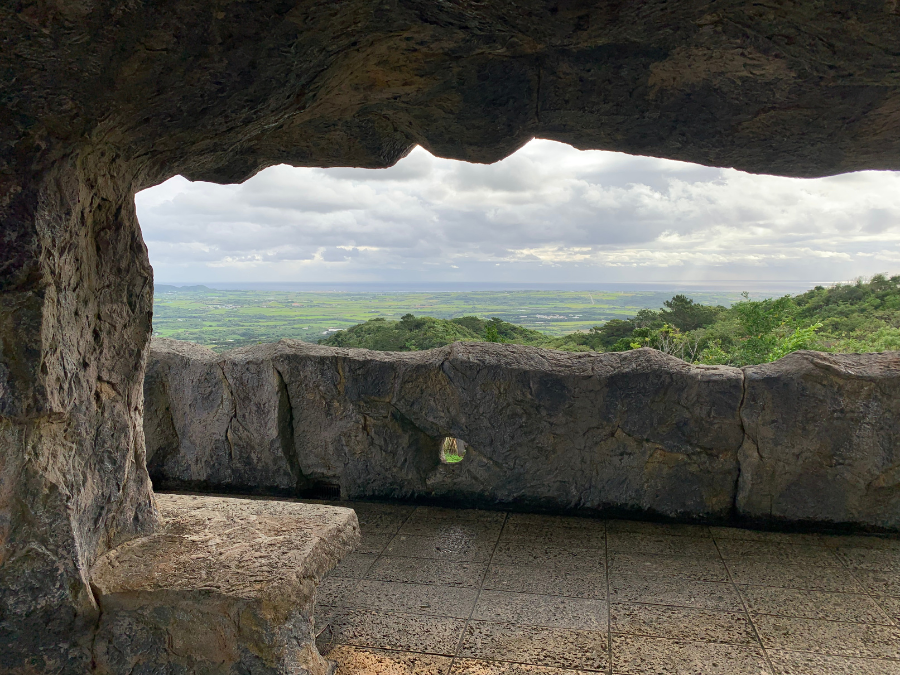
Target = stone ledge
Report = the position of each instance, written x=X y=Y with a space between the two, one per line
x=228 y=585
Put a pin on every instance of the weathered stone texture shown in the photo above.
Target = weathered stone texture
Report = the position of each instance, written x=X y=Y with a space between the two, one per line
x=217 y=92
x=75 y=306
x=99 y=99
x=209 y=424
x=227 y=586
x=822 y=439
x=810 y=438
x=638 y=430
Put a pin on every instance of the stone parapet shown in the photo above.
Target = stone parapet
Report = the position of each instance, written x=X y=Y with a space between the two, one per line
x=634 y=432
x=822 y=439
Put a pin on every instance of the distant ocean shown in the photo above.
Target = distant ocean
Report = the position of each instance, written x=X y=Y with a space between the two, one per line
x=758 y=287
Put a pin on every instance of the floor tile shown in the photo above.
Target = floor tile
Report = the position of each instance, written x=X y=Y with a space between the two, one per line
x=546 y=581
x=444 y=527
x=871 y=559
x=884 y=542
x=381 y=523
x=636 y=588
x=671 y=529
x=803 y=663
x=373 y=543
x=406 y=632
x=682 y=623
x=448 y=547
x=427 y=514
x=796 y=554
x=541 y=610
x=384 y=508
x=879 y=583
x=527 y=522
x=565 y=537
x=638 y=655
x=684 y=567
x=723 y=533
x=828 y=637
x=813 y=604
x=523 y=554
x=333 y=590
x=660 y=544
x=761 y=572
x=891 y=606
x=364 y=661
x=354 y=566
x=425 y=571
x=561 y=648
x=476 y=667
x=322 y=616
x=398 y=605
x=389 y=596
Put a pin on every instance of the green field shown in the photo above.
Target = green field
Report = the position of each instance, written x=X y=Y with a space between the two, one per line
x=227 y=319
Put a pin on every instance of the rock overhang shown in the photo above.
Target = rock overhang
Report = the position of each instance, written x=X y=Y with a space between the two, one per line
x=218 y=92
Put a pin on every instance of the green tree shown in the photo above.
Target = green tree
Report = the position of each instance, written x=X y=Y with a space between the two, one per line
x=602 y=338
x=759 y=318
x=491 y=334
x=685 y=314
x=801 y=338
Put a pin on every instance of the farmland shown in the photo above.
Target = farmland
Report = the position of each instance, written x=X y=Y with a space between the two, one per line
x=224 y=319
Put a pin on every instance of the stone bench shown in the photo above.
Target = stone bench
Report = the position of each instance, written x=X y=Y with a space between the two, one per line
x=227 y=586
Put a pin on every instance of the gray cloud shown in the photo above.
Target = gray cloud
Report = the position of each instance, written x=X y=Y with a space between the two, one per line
x=547 y=213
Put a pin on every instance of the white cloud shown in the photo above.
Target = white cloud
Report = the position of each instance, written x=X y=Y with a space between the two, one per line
x=547 y=213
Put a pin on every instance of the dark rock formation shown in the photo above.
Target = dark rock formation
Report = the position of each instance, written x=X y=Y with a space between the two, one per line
x=211 y=423
x=822 y=439
x=638 y=430
x=75 y=309
x=810 y=439
x=216 y=92
x=227 y=586
x=99 y=99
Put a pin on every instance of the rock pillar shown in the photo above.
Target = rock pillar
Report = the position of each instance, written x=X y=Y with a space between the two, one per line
x=75 y=311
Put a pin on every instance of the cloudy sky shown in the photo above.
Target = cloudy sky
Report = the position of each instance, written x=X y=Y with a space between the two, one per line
x=547 y=214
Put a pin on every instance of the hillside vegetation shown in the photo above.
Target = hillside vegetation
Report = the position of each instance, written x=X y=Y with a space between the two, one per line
x=413 y=333
x=859 y=317
x=225 y=319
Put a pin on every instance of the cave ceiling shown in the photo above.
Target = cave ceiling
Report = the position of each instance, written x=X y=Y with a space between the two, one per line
x=218 y=90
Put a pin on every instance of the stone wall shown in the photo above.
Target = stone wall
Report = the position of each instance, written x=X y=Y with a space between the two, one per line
x=811 y=438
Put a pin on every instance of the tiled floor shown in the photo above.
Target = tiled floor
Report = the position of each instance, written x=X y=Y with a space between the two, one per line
x=463 y=592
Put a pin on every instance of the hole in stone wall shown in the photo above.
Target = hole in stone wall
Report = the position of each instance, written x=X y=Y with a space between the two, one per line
x=452 y=450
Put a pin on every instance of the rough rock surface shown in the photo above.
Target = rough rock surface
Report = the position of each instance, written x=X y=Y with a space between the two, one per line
x=638 y=430
x=822 y=439
x=217 y=91
x=226 y=586
x=99 y=99
x=75 y=308
x=810 y=438
x=211 y=427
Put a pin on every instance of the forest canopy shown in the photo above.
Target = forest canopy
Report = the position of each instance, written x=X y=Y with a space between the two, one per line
x=863 y=316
